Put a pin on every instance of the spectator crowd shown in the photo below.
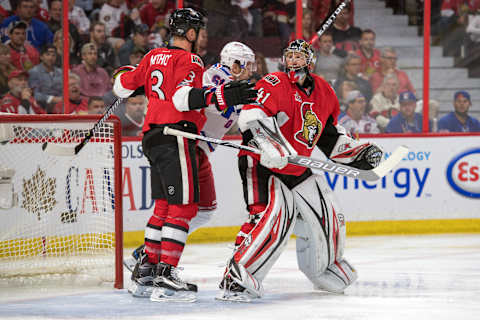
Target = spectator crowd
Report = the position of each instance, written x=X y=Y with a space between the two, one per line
x=375 y=95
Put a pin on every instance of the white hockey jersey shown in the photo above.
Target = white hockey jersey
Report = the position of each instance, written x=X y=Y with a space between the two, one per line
x=218 y=123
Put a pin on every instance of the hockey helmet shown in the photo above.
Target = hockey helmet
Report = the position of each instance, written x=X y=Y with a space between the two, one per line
x=185 y=19
x=237 y=52
x=299 y=46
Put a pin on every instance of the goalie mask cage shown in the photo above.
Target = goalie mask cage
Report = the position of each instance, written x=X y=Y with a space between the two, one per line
x=61 y=216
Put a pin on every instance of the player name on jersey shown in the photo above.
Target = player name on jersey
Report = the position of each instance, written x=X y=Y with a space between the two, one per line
x=161 y=59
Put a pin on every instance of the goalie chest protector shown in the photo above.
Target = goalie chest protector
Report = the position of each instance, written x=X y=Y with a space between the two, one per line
x=301 y=115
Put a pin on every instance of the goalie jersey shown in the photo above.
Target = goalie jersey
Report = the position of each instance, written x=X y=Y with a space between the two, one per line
x=218 y=123
x=302 y=116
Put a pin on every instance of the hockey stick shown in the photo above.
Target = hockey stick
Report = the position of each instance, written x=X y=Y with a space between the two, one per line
x=315 y=164
x=326 y=24
x=63 y=150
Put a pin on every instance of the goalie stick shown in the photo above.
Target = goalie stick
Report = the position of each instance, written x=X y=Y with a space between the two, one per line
x=316 y=164
x=326 y=24
x=71 y=150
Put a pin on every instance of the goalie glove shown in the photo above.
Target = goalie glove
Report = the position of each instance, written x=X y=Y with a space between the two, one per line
x=359 y=155
x=369 y=158
x=234 y=93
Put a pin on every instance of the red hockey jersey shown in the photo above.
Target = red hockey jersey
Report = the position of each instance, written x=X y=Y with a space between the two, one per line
x=163 y=71
x=301 y=115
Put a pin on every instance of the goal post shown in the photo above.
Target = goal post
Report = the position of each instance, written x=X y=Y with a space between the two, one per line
x=60 y=216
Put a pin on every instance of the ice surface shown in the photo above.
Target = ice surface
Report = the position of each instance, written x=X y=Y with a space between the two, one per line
x=400 y=277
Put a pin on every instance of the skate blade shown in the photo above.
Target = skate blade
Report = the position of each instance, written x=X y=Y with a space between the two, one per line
x=140 y=291
x=167 y=295
x=234 y=297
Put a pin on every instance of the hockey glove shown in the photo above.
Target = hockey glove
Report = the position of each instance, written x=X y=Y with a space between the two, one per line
x=122 y=69
x=274 y=148
x=369 y=158
x=234 y=93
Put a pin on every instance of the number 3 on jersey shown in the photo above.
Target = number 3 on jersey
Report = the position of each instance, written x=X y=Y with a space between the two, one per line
x=157 y=74
x=262 y=96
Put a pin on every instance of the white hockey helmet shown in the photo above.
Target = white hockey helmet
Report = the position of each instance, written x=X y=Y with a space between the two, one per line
x=237 y=52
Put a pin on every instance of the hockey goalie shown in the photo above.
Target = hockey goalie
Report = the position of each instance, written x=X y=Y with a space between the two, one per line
x=295 y=112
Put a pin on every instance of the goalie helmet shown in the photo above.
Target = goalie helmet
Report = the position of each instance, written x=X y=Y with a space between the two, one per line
x=237 y=52
x=185 y=19
x=296 y=73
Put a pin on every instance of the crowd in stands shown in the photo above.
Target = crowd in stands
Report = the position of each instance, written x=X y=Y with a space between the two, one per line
x=375 y=95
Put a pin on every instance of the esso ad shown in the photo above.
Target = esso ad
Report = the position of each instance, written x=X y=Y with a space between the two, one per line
x=463 y=173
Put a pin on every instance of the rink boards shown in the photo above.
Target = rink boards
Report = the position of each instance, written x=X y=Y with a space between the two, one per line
x=435 y=189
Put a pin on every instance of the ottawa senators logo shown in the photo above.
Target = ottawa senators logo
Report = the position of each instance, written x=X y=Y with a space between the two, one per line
x=311 y=126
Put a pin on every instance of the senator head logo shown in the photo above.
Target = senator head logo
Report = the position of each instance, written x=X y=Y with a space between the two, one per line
x=311 y=126
x=463 y=173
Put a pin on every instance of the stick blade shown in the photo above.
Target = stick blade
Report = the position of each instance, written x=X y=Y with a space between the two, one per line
x=391 y=162
x=59 y=149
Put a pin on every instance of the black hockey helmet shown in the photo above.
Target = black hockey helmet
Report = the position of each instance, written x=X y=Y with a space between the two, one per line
x=185 y=19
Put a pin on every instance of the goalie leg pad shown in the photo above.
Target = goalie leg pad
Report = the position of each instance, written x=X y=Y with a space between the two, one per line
x=267 y=240
x=320 y=228
x=239 y=285
x=337 y=277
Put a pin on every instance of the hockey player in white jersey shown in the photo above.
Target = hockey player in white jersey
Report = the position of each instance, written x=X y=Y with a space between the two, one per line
x=237 y=62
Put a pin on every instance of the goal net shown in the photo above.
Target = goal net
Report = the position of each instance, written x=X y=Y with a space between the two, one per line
x=61 y=217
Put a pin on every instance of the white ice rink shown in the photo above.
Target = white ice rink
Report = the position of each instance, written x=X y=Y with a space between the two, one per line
x=400 y=277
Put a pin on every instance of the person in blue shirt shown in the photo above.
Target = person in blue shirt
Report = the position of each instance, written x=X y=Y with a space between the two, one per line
x=38 y=33
x=459 y=120
x=407 y=121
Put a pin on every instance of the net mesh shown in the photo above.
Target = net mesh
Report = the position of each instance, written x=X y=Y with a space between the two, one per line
x=57 y=213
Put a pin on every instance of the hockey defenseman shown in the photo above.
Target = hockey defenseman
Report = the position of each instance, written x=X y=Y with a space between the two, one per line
x=295 y=112
x=237 y=62
x=172 y=79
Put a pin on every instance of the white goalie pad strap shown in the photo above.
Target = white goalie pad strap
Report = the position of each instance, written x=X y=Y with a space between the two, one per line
x=200 y=219
x=337 y=277
x=320 y=227
x=6 y=132
x=346 y=149
x=267 y=240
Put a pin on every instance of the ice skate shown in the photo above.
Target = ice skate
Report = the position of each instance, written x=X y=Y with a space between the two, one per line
x=167 y=286
x=132 y=260
x=142 y=278
x=238 y=284
x=232 y=291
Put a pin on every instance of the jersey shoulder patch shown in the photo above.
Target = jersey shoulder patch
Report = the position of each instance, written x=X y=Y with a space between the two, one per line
x=272 y=79
x=197 y=60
